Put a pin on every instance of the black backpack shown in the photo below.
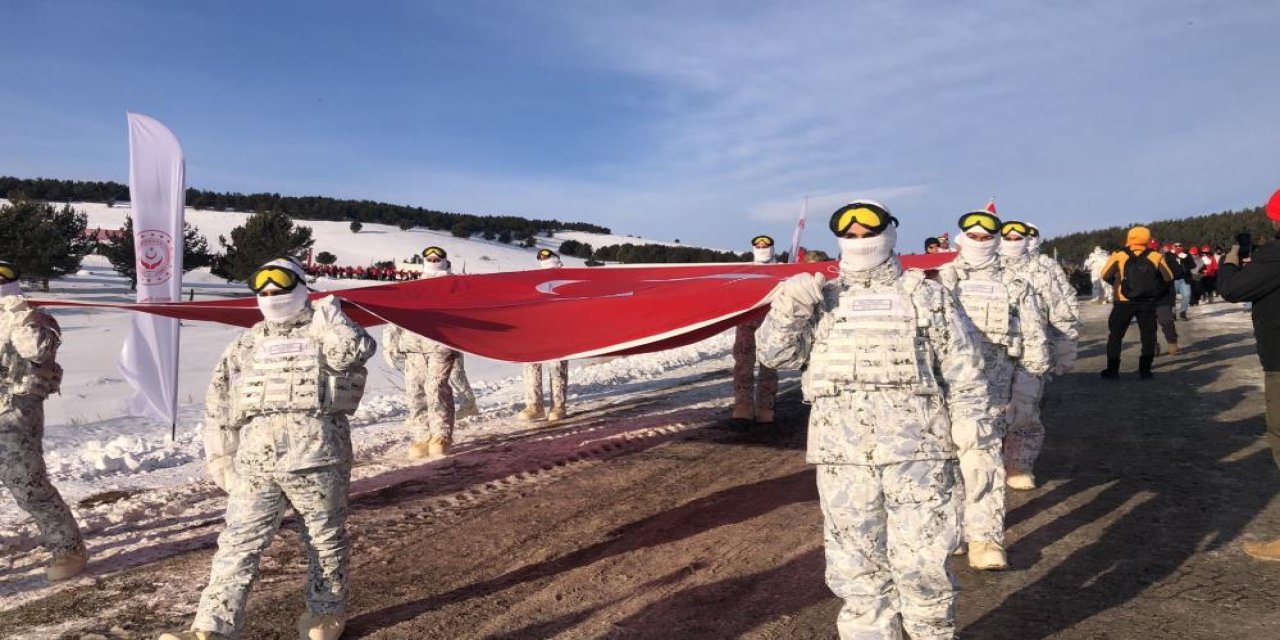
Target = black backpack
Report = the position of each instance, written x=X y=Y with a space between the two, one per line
x=1141 y=280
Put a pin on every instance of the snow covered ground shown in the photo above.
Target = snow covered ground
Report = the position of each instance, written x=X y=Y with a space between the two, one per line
x=130 y=484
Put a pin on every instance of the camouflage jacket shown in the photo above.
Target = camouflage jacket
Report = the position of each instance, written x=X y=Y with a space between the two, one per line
x=889 y=423
x=29 y=340
x=1027 y=319
x=282 y=439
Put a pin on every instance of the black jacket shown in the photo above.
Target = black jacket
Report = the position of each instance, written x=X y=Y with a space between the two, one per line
x=1258 y=282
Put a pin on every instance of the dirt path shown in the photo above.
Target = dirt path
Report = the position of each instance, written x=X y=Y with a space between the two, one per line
x=658 y=525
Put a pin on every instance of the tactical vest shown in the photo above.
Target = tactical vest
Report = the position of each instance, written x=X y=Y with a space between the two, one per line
x=870 y=341
x=287 y=374
x=988 y=305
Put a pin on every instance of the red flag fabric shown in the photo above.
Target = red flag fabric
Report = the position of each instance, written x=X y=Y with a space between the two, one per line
x=991 y=206
x=553 y=314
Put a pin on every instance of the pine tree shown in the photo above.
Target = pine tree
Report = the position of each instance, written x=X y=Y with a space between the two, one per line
x=356 y=226
x=263 y=238
x=119 y=250
x=42 y=240
x=324 y=257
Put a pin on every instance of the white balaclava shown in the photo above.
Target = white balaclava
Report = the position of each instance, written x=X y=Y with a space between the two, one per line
x=1013 y=248
x=865 y=254
x=762 y=255
x=1033 y=242
x=13 y=288
x=281 y=307
x=974 y=252
x=550 y=263
x=435 y=269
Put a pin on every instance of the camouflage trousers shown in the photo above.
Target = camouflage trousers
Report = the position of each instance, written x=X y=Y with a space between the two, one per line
x=533 y=384
x=23 y=473
x=1025 y=436
x=463 y=395
x=889 y=531
x=428 y=394
x=983 y=513
x=255 y=506
x=753 y=395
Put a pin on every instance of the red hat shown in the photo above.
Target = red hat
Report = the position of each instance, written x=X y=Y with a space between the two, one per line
x=1205 y=249
x=1195 y=251
x=1153 y=244
x=1273 y=206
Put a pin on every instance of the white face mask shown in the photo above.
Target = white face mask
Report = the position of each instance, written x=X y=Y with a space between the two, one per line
x=1033 y=243
x=978 y=253
x=11 y=289
x=279 y=308
x=550 y=263
x=865 y=254
x=435 y=269
x=1013 y=248
x=762 y=254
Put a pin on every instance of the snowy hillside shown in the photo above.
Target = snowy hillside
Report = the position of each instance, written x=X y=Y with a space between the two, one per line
x=118 y=472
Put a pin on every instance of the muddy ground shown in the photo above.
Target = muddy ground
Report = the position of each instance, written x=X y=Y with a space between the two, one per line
x=666 y=523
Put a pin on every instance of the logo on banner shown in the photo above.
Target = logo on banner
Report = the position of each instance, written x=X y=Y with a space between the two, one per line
x=155 y=257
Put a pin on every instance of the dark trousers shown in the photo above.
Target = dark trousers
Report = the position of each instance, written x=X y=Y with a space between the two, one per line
x=1122 y=314
x=1164 y=317
x=1272 y=384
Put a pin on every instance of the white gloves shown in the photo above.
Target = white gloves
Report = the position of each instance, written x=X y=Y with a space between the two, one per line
x=798 y=295
x=222 y=471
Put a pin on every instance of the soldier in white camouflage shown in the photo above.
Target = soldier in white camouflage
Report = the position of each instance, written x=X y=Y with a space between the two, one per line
x=894 y=373
x=535 y=407
x=753 y=394
x=1008 y=316
x=276 y=434
x=428 y=367
x=1025 y=436
x=29 y=373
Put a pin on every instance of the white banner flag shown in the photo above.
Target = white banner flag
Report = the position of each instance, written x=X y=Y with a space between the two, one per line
x=157 y=191
x=795 y=236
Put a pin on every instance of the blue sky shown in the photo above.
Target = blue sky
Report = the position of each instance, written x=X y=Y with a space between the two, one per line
x=700 y=120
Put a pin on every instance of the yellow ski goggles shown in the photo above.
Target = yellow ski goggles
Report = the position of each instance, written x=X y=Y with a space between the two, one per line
x=982 y=219
x=762 y=242
x=284 y=279
x=434 y=252
x=870 y=216
x=8 y=272
x=1013 y=226
x=1033 y=232
x=546 y=254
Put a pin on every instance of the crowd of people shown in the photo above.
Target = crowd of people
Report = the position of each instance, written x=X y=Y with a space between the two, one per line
x=386 y=274
x=925 y=390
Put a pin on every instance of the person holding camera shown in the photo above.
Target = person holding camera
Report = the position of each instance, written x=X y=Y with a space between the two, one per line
x=1249 y=275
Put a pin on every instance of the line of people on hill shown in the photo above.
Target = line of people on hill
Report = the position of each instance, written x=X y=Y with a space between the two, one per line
x=386 y=274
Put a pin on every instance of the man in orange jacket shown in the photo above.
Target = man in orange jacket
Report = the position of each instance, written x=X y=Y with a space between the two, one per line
x=1140 y=277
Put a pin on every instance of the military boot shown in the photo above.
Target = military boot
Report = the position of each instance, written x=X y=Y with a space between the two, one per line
x=66 y=565
x=1144 y=367
x=432 y=447
x=529 y=414
x=194 y=635
x=764 y=416
x=1112 y=372
x=1020 y=480
x=320 y=627
x=742 y=411
x=556 y=413
x=1269 y=550
x=1172 y=349
x=987 y=556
